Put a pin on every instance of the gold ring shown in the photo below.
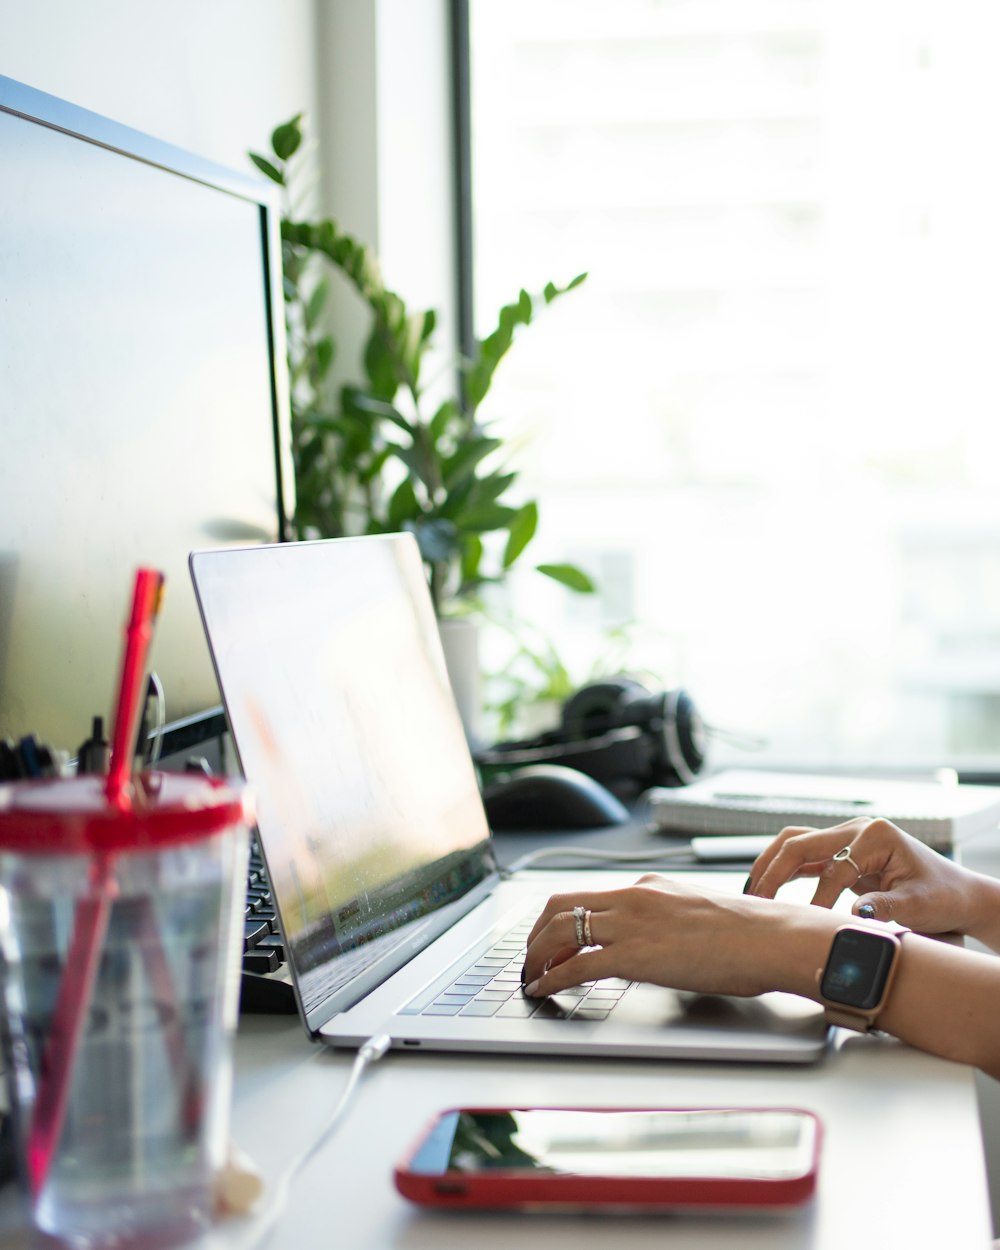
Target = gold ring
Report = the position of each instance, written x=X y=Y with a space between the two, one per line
x=844 y=856
x=579 y=919
x=588 y=937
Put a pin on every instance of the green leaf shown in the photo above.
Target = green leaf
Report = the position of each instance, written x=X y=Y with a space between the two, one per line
x=414 y=461
x=459 y=466
x=324 y=350
x=265 y=167
x=472 y=555
x=403 y=505
x=439 y=423
x=413 y=337
x=568 y=575
x=381 y=366
x=286 y=139
x=486 y=489
x=522 y=531
x=358 y=401
x=482 y=520
x=552 y=291
x=316 y=303
x=373 y=470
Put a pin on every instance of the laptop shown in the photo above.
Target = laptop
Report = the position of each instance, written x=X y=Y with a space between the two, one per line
x=395 y=915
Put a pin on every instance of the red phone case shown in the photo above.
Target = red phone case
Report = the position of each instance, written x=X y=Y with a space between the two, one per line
x=519 y=1189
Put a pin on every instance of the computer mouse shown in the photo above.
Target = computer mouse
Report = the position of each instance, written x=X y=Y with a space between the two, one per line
x=551 y=796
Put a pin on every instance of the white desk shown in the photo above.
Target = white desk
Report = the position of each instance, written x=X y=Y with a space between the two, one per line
x=902 y=1162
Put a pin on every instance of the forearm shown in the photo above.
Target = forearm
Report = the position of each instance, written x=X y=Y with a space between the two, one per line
x=984 y=920
x=944 y=999
x=947 y=1000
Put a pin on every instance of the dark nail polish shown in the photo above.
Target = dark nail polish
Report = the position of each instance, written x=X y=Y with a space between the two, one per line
x=866 y=911
x=746 y=885
x=522 y=974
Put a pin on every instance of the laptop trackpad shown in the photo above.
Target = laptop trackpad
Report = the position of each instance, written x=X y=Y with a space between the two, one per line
x=776 y=1014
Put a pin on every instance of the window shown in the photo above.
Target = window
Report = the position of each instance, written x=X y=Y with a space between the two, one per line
x=769 y=422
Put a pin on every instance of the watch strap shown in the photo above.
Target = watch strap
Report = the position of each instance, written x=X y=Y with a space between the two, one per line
x=844 y=1018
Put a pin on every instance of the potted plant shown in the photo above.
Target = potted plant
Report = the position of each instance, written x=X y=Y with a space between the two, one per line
x=388 y=453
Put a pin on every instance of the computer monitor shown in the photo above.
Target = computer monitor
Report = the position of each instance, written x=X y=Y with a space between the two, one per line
x=143 y=405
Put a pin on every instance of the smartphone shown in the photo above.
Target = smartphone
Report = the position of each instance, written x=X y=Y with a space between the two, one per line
x=577 y=1158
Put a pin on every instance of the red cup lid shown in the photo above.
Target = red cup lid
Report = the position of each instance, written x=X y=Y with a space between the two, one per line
x=67 y=815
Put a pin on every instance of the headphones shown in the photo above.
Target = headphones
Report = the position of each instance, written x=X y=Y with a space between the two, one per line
x=619 y=733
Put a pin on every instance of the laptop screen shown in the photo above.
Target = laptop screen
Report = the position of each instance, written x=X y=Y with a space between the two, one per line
x=369 y=813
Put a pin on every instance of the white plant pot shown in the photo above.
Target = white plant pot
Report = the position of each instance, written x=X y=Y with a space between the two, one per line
x=460 y=640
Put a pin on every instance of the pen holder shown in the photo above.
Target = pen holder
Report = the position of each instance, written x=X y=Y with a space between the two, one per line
x=120 y=930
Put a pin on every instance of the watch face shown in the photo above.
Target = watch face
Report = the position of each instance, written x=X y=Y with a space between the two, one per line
x=857 y=969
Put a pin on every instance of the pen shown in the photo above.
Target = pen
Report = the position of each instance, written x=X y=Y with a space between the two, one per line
x=771 y=799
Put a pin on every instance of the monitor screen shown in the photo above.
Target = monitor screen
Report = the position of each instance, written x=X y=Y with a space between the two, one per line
x=143 y=406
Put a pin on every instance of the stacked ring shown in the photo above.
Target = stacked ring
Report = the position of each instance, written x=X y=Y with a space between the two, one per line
x=581 y=918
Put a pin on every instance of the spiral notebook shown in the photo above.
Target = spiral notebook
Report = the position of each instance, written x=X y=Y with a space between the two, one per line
x=744 y=801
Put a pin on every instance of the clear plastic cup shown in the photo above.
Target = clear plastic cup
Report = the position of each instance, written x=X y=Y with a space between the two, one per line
x=120 y=930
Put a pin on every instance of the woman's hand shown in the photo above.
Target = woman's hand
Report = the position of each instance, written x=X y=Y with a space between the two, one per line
x=894 y=876
x=670 y=933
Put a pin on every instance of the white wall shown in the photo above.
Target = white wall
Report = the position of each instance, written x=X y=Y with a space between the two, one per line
x=212 y=76
x=215 y=77
x=386 y=154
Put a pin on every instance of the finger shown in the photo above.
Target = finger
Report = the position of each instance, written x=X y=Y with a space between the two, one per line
x=874 y=905
x=560 y=904
x=767 y=856
x=553 y=961
x=867 y=883
x=837 y=876
x=800 y=849
x=588 y=965
x=549 y=943
x=808 y=870
x=556 y=904
x=859 y=865
x=559 y=940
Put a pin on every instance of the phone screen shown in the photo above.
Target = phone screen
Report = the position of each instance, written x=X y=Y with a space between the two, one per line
x=737 y=1144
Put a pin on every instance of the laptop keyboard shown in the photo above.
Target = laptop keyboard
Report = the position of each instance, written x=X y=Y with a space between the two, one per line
x=263 y=945
x=491 y=986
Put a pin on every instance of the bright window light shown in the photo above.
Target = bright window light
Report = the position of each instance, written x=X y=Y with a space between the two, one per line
x=769 y=422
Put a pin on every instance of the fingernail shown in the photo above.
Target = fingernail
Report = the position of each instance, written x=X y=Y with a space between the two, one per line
x=747 y=884
x=532 y=989
x=522 y=974
x=866 y=911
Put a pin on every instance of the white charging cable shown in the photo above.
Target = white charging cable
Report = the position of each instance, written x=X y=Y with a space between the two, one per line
x=676 y=854
x=371 y=1051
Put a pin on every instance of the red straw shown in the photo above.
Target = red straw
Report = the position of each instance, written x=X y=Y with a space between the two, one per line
x=146 y=599
x=90 y=920
x=90 y=924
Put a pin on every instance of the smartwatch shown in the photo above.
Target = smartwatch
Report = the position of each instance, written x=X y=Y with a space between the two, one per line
x=859 y=973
